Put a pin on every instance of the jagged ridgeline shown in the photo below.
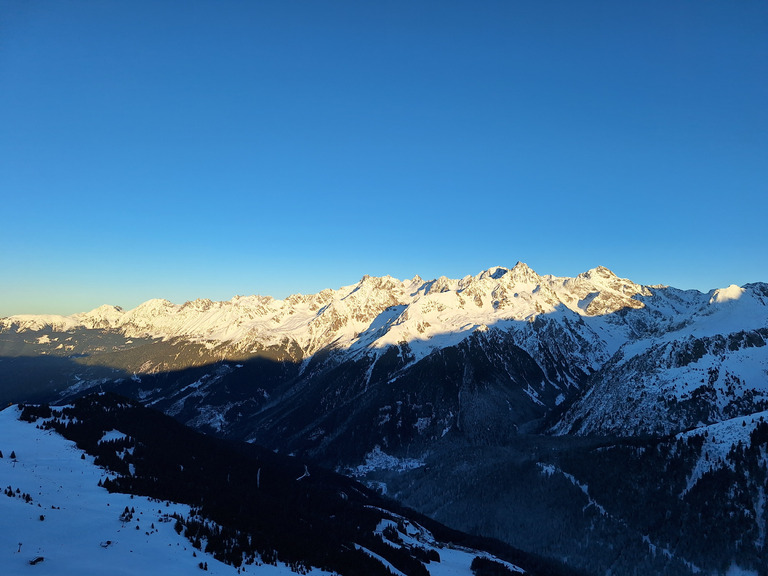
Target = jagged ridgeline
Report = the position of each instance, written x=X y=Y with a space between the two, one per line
x=251 y=506
x=458 y=396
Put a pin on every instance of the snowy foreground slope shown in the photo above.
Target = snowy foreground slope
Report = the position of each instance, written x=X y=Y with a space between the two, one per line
x=82 y=531
x=56 y=516
x=73 y=523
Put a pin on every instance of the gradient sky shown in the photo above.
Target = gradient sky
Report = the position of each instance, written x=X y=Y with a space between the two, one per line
x=184 y=149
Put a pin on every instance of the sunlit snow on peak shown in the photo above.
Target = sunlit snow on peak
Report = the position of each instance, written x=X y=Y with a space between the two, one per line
x=721 y=295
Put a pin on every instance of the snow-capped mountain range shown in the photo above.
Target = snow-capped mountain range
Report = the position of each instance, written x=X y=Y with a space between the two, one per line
x=457 y=394
x=643 y=345
x=374 y=313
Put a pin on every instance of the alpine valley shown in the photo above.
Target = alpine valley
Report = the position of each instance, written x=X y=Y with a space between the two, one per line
x=593 y=423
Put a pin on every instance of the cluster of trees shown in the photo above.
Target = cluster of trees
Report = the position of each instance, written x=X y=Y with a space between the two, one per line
x=11 y=493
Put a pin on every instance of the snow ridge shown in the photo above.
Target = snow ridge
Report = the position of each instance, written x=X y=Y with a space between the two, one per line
x=374 y=313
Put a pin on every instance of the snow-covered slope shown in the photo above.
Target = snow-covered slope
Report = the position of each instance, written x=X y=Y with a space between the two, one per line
x=710 y=365
x=718 y=445
x=76 y=526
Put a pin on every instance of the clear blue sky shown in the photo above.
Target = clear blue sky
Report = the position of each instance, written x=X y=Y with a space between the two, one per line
x=184 y=149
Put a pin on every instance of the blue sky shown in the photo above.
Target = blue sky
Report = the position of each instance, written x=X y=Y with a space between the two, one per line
x=206 y=149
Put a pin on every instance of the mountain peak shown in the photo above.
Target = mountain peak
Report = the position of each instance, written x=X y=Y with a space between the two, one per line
x=494 y=272
x=103 y=311
x=106 y=308
x=601 y=272
x=721 y=295
x=521 y=272
x=105 y=316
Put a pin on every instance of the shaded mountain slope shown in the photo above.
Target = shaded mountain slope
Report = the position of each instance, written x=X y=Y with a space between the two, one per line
x=251 y=506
